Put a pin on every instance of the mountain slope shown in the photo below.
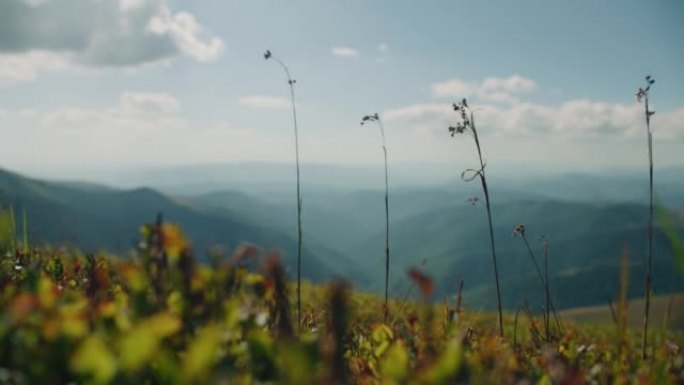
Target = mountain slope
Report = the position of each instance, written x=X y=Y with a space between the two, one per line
x=323 y=230
x=100 y=218
x=585 y=247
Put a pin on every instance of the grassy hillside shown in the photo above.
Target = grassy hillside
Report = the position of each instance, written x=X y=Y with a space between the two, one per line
x=667 y=312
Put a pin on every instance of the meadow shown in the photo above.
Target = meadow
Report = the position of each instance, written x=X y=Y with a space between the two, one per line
x=164 y=318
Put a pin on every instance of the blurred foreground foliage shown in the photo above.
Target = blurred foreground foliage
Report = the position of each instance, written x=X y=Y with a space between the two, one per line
x=162 y=318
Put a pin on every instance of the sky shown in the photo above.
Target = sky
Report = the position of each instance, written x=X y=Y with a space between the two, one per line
x=100 y=84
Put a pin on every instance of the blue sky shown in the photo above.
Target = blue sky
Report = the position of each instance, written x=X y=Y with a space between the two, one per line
x=130 y=83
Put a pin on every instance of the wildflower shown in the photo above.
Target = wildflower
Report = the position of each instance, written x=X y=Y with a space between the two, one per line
x=424 y=283
x=519 y=230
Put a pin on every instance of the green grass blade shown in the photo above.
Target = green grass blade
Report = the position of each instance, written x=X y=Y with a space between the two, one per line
x=25 y=226
x=13 y=231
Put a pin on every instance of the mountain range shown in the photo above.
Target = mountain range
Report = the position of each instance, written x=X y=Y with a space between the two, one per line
x=587 y=220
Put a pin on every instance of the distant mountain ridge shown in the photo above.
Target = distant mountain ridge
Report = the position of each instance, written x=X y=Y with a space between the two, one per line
x=95 y=218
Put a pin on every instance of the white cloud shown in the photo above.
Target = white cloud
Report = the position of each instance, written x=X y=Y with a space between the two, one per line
x=454 y=87
x=148 y=102
x=18 y=68
x=345 y=52
x=417 y=113
x=264 y=102
x=184 y=30
x=512 y=84
x=115 y=34
x=576 y=119
x=493 y=89
x=383 y=47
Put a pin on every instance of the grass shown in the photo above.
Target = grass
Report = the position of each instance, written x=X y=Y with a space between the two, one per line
x=667 y=312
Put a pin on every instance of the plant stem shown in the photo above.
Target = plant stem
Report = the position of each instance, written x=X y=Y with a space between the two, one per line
x=299 y=212
x=649 y=273
x=387 y=250
x=291 y=82
x=548 y=290
x=545 y=282
x=483 y=179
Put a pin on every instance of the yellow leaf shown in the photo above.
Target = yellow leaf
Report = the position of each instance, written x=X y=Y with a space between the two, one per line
x=395 y=363
x=201 y=353
x=137 y=348
x=94 y=358
x=382 y=336
x=47 y=293
x=175 y=302
x=174 y=241
x=74 y=318
x=163 y=324
x=135 y=278
x=140 y=345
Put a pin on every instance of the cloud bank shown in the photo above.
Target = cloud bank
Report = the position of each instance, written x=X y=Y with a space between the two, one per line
x=50 y=35
x=574 y=119
x=491 y=89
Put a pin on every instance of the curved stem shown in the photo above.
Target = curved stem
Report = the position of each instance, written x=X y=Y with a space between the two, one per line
x=376 y=118
x=291 y=82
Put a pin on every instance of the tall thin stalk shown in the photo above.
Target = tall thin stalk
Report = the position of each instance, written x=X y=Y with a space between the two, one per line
x=519 y=231
x=549 y=304
x=376 y=118
x=468 y=123
x=291 y=82
x=642 y=94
